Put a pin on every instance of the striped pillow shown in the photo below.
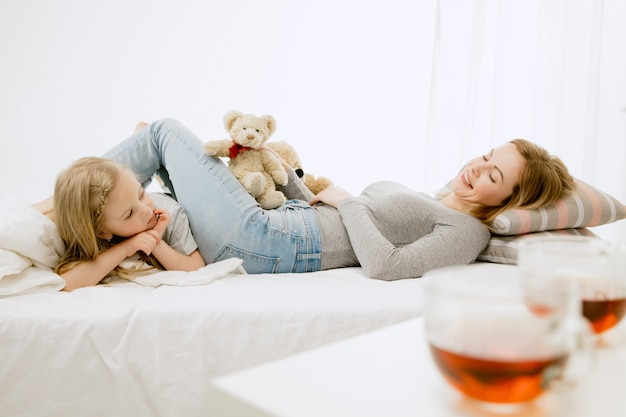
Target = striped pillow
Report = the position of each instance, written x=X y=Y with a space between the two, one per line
x=503 y=249
x=587 y=206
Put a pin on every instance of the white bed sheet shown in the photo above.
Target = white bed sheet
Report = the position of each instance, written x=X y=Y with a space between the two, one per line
x=130 y=350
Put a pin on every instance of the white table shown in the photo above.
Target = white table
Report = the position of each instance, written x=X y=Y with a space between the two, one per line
x=389 y=373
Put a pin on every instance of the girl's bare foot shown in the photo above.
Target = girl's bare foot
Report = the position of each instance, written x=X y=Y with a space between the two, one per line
x=140 y=126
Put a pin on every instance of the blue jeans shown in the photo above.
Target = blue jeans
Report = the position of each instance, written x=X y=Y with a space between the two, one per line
x=225 y=220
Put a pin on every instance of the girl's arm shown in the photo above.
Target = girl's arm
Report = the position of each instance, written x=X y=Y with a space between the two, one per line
x=89 y=273
x=170 y=258
x=173 y=260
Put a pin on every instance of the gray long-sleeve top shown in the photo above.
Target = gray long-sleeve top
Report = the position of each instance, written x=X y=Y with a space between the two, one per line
x=394 y=232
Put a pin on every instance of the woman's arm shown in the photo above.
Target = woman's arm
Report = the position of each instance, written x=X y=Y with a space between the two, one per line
x=417 y=237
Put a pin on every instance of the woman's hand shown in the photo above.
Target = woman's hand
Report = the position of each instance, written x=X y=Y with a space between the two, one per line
x=331 y=196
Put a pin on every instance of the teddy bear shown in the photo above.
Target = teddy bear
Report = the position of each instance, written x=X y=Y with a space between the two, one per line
x=257 y=169
x=316 y=184
x=291 y=157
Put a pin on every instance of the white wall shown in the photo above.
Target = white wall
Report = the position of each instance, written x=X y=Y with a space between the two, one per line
x=365 y=90
x=346 y=81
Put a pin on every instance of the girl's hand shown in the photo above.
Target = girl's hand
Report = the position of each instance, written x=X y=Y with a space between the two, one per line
x=162 y=221
x=144 y=242
x=331 y=196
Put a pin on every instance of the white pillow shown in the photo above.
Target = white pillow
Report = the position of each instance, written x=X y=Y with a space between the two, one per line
x=30 y=280
x=29 y=233
x=18 y=276
x=11 y=263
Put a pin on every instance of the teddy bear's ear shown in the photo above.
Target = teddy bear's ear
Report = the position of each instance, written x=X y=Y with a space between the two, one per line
x=270 y=123
x=230 y=118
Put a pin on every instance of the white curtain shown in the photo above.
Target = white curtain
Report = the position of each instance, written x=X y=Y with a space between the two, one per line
x=549 y=71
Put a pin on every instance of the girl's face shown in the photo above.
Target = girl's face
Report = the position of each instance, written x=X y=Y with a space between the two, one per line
x=489 y=179
x=129 y=210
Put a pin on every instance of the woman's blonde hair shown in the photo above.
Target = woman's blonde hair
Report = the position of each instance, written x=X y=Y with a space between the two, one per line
x=544 y=179
x=81 y=193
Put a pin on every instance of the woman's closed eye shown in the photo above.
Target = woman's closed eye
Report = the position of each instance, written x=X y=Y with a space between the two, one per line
x=491 y=177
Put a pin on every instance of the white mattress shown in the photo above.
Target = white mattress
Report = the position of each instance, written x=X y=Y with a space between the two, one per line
x=132 y=350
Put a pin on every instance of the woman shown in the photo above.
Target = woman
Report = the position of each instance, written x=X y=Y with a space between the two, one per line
x=389 y=230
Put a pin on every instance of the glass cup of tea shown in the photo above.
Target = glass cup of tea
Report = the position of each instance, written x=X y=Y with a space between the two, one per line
x=596 y=266
x=489 y=345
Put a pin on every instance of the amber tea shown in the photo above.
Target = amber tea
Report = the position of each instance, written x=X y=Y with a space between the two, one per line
x=595 y=266
x=604 y=314
x=498 y=381
x=489 y=345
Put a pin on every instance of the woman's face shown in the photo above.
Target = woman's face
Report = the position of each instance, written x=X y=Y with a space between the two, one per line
x=489 y=179
x=129 y=210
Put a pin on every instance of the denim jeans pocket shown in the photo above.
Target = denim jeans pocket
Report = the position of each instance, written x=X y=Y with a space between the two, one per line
x=308 y=262
x=252 y=262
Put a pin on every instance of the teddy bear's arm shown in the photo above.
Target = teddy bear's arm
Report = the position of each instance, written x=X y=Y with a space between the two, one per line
x=274 y=167
x=219 y=147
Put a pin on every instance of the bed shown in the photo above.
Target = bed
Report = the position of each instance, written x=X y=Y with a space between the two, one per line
x=152 y=346
x=133 y=350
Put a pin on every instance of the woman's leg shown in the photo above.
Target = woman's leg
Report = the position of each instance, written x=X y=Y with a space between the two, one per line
x=225 y=220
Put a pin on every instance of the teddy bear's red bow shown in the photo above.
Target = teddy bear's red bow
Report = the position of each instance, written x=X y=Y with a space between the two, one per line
x=236 y=149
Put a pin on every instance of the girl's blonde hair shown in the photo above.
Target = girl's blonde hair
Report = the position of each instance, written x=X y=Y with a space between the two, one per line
x=81 y=193
x=544 y=179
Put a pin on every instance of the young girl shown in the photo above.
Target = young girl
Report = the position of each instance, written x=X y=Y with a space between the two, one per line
x=104 y=216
